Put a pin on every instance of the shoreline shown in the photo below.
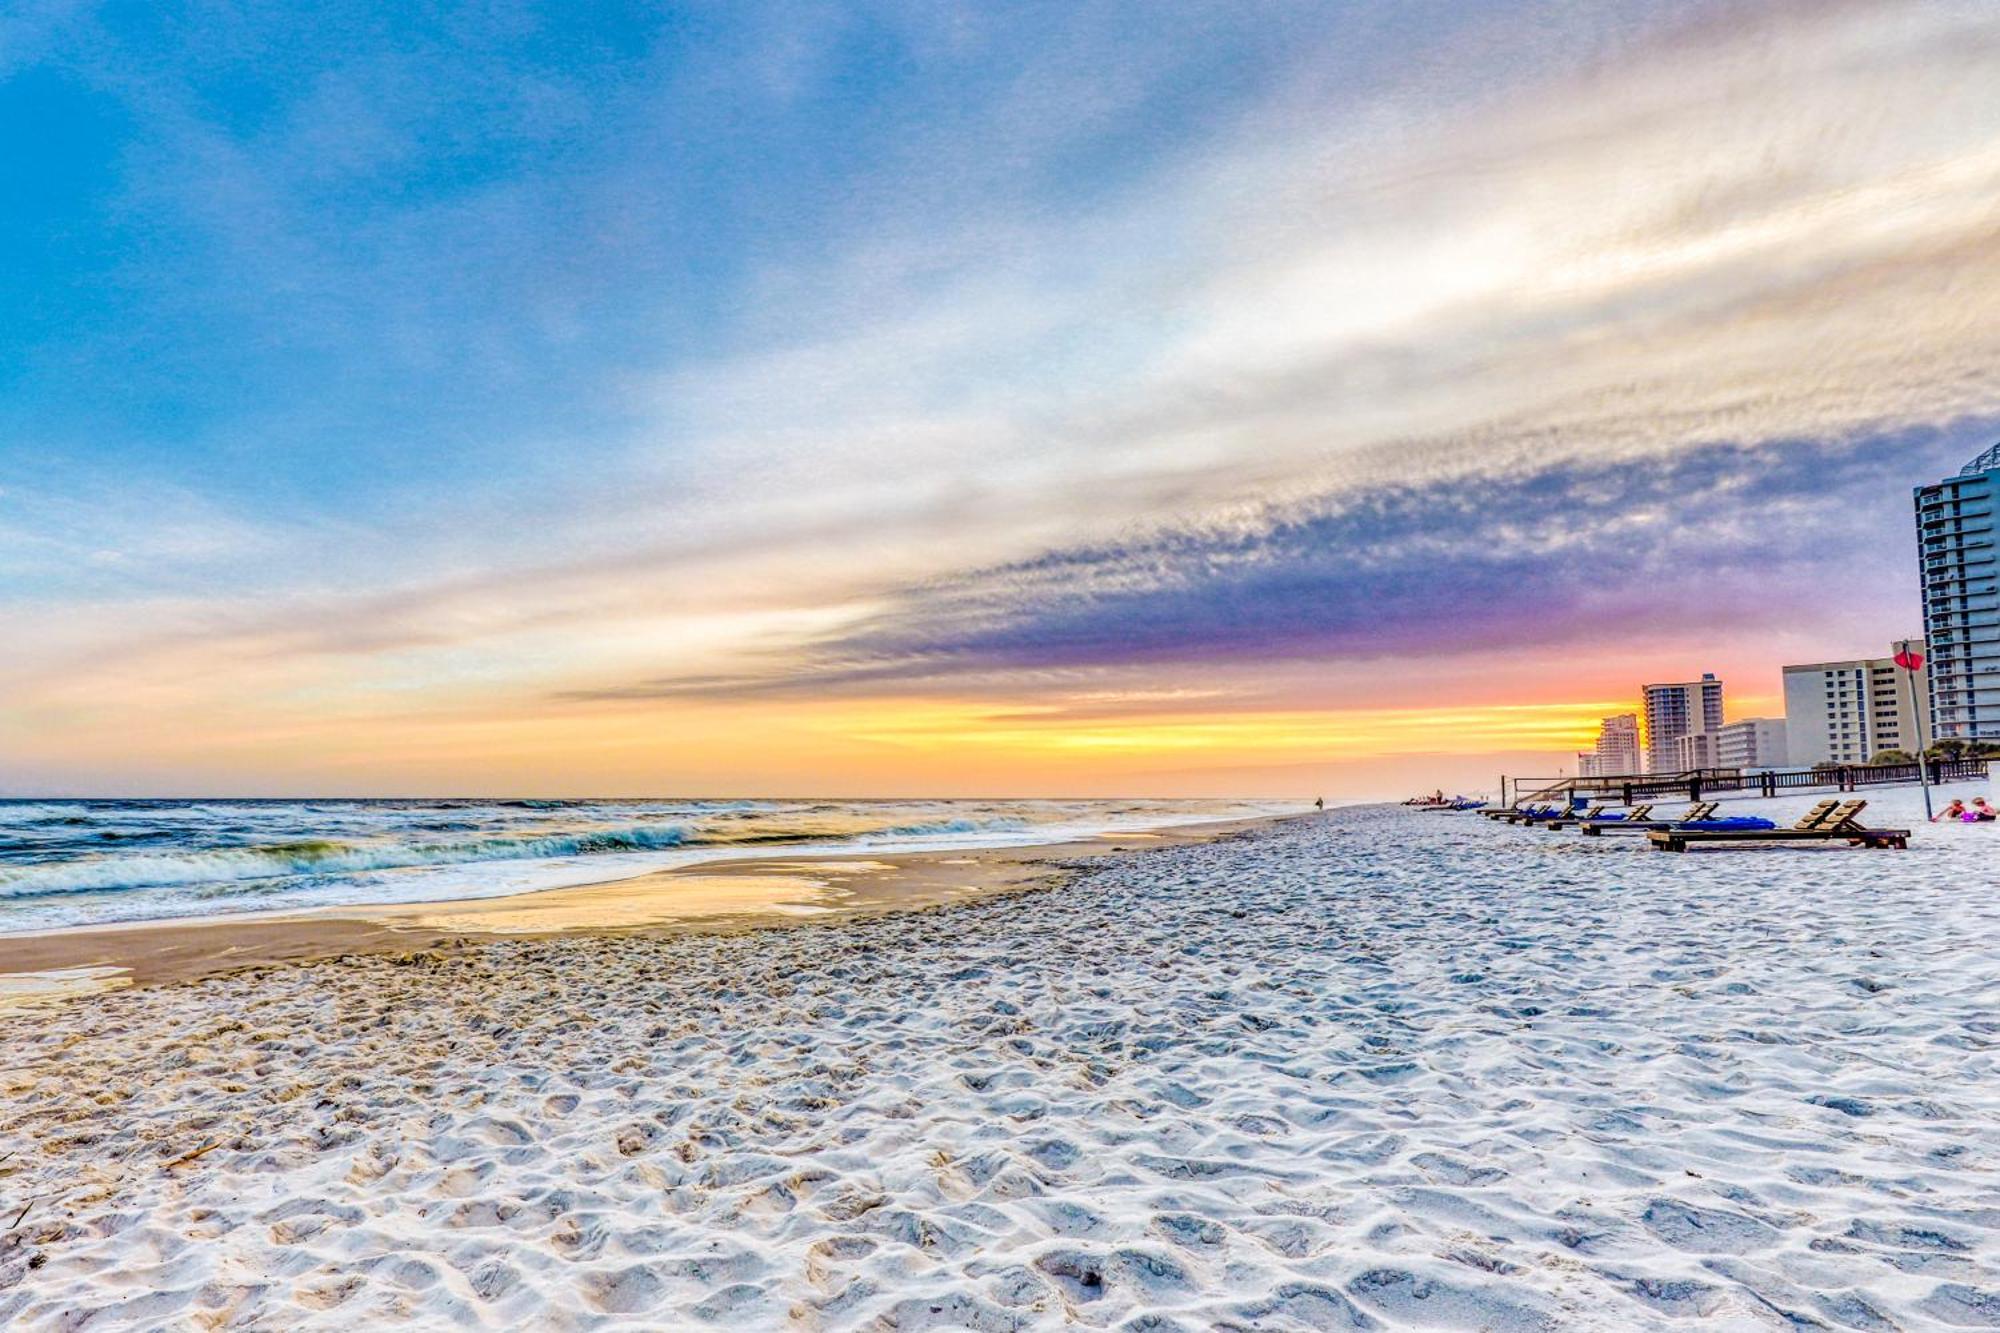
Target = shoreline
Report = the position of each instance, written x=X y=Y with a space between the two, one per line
x=714 y=897
x=1375 y=1070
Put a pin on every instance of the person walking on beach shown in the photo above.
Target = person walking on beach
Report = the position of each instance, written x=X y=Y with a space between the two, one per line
x=1319 y=804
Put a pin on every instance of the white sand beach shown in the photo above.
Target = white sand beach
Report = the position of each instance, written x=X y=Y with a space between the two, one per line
x=1372 y=1070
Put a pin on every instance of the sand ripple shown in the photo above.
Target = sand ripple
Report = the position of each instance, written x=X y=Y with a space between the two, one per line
x=1369 y=1072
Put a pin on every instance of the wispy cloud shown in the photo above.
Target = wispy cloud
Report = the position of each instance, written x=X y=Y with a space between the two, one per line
x=1711 y=539
x=1087 y=360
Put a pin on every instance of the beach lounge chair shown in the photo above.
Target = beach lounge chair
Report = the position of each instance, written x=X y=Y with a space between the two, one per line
x=1548 y=813
x=1838 y=824
x=1514 y=814
x=1699 y=810
x=1573 y=818
x=1638 y=814
x=1539 y=813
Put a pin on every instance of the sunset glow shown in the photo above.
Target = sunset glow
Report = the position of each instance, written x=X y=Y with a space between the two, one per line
x=1237 y=399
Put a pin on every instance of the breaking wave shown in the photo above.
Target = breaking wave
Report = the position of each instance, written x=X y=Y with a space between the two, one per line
x=317 y=857
x=331 y=857
x=943 y=826
x=66 y=861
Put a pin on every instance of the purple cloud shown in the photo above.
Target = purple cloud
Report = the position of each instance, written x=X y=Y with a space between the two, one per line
x=1716 y=537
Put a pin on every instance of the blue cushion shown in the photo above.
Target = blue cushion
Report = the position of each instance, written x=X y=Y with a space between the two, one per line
x=1738 y=824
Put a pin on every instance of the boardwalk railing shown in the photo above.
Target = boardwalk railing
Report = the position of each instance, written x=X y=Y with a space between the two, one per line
x=1627 y=788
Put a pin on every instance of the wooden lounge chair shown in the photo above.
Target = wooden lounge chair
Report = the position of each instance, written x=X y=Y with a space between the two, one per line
x=1562 y=816
x=1547 y=807
x=1572 y=819
x=1638 y=814
x=1820 y=825
x=1699 y=810
x=1559 y=813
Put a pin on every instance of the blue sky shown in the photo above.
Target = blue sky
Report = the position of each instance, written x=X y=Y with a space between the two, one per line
x=635 y=366
x=314 y=256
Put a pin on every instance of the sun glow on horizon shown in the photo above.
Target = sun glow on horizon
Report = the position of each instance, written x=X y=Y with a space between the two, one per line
x=1349 y=394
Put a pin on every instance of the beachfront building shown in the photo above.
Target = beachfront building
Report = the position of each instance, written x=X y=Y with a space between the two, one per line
x=1675 y=710
x=1752 y=742
x=1617 y=750
x=1695 y=749
x=1955 y=543
x=1848 y=712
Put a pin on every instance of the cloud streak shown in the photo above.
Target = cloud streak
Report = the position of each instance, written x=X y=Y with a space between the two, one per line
x=1093 y=361
x=1713 y=539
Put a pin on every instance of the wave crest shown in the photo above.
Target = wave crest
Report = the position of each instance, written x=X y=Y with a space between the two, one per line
x=942 y=826
x=318 y=857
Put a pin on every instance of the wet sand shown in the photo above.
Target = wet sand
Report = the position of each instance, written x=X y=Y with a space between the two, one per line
x=717 y=896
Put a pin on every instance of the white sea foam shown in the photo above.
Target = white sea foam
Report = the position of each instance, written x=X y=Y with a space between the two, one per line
x=315 y=858
x=148 y=860
x=1380 y=1070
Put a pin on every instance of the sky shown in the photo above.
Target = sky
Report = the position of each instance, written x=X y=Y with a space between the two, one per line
x=932 y=398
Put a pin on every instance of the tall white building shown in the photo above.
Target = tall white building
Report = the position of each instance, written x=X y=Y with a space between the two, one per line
x=1675 y=710
x=1848 y=712
x=1752 y=742
x=1955 y=545
x=1617 y=750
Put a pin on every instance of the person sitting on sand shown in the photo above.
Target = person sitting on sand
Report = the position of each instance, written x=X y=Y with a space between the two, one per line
x=1983 y=812
x=1956 y=810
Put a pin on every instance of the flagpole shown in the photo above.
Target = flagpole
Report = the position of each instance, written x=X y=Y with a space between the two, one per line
x=1913 y=664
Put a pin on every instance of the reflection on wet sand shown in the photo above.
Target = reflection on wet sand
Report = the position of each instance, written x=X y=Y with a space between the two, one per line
x=623 y=905
x=30 y=990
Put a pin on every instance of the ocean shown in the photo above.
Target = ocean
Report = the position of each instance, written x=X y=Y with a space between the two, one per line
x=89 y=862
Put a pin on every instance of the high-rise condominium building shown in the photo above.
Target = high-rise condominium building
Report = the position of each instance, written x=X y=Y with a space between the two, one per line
x=1617 y=750
x=1849 y=712
x=1672 y=711
x=1955 y=545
